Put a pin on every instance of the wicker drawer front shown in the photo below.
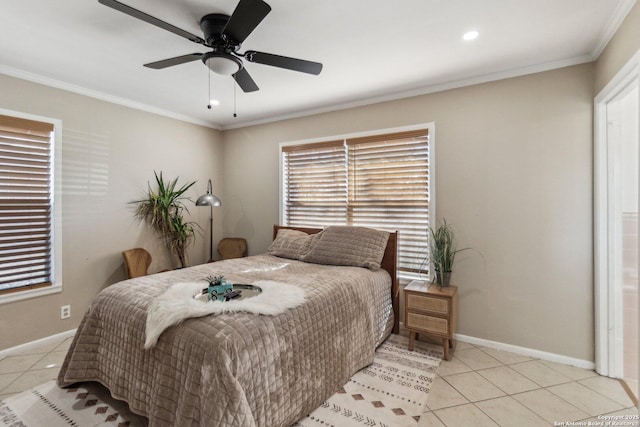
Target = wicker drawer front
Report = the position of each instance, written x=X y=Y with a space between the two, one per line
x=434 y=305
x=427 y=324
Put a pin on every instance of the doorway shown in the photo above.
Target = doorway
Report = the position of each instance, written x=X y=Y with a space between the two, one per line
x=617 y=161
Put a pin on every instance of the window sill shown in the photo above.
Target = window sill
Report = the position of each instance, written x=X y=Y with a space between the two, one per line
x=32 y=293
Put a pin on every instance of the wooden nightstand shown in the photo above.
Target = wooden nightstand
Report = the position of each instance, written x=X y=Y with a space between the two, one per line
x=432 y=311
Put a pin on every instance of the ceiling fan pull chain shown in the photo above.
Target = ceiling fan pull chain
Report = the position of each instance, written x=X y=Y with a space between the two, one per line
x=234 y=99
x=209 y=103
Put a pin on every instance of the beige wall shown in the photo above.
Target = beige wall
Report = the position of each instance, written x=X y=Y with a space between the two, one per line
x=622 y=46
x=514 y=177
x=109 y=155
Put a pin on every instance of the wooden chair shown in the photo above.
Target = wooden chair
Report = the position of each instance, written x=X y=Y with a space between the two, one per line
x=137 y=262
x=232 y=247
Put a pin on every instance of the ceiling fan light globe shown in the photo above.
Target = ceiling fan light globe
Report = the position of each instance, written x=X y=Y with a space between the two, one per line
x=222 y=63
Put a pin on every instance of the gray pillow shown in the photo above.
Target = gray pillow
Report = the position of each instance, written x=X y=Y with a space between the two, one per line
x=353 y=246
x=292 y=244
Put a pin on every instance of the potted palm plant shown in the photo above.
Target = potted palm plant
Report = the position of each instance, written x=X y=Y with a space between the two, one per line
x=163 y=209
x=442 y=252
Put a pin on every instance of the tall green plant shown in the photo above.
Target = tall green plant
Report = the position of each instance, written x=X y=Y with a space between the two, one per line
x=442 y=248
x=163 y=209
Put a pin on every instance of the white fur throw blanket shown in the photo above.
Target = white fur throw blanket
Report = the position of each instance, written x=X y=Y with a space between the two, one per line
x=177 y=304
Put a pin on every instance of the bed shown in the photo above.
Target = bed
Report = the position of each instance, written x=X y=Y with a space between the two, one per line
x=241 y=369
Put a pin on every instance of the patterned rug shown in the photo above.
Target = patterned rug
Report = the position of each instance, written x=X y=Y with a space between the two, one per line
x=391 y=391
x=51 y=406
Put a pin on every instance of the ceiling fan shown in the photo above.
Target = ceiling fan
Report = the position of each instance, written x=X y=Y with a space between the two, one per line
x=224 y=34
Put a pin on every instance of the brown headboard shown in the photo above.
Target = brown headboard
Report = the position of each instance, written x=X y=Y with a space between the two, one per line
x=389 y=263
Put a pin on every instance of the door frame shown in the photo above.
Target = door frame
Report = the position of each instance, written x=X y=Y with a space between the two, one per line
x=608 y=354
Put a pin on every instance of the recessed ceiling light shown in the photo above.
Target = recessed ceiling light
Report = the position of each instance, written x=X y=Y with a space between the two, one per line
x=471 y=35
x=214 y=102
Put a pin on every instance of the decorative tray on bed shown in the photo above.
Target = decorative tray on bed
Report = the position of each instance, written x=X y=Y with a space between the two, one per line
x=244 y=292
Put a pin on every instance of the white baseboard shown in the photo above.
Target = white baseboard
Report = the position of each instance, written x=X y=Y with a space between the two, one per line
x=524 y=351
x=37 y=343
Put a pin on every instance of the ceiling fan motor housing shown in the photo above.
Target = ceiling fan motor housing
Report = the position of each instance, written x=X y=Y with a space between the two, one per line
x=212 y=26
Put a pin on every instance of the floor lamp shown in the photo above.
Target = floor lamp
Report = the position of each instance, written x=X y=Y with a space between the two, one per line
x=209 y=200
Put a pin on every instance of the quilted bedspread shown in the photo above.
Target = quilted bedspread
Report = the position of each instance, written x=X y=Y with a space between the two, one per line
x=236 y=369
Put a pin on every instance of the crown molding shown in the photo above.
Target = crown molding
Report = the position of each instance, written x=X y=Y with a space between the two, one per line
x=425 y=90
x=47 y=81
x=612 y=26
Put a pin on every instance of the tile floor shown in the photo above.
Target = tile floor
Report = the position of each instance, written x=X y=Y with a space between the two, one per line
x=478 y=387
x=32 y=367
x=481 y=386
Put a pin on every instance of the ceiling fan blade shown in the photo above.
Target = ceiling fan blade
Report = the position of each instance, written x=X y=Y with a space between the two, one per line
x=245 y=81
x=158 y=65
x=151 y=20
x=284 y=62
x=245 y=18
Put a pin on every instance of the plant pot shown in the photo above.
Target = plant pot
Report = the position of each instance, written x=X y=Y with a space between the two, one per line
x=443 y=279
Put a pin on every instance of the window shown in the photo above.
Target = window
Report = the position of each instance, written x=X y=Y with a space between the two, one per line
x=27 y=210
x=379 y=181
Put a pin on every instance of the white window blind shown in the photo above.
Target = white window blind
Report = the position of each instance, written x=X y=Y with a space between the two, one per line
x=26 y=204
x=315 y=188
x=379 y=181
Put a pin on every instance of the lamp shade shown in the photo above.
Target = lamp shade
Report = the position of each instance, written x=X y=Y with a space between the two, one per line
x=208 y=199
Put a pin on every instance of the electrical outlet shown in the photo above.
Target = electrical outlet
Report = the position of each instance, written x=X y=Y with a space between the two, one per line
x=65 y=311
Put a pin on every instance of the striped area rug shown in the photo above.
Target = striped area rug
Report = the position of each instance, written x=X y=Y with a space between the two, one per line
x=390 y=392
